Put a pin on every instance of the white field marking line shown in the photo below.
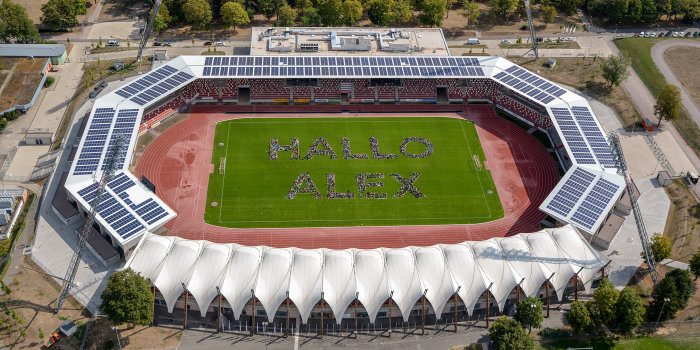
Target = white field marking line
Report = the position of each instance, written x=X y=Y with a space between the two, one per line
x=223 y=181
x=477 y=174
x=333 y=220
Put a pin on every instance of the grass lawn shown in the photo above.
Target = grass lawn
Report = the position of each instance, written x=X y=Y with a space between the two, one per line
x=253 y=190
x=642 y=343
x=638 y=51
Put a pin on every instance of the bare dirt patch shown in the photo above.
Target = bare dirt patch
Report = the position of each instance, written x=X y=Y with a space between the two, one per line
x=683 y=60
x=20 y=89
x=682 y=223
x=584 y=74
x=32 y=300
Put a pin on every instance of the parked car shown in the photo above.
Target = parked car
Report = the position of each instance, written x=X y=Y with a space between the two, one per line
x=157 y=43
x=687 y=34
x=208 y=43
x=668 y=34
x=167 y=44
x=675 y=34
x=113 y=43
x=473 y=41
x=636 y=35
x=652 y=35
x=641 y=34
x=220 y=43
x=695 y=35
x=505 y=41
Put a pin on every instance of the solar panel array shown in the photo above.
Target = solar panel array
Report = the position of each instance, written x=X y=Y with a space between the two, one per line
x=154 y=85
x=124 y=126
x=570 y=193
x=594 y=135
x=149 y=210
x=120 y=219
x=592 y=207
x=95 y=140
x=573 y=137
x=529 y=84
x=333 y=66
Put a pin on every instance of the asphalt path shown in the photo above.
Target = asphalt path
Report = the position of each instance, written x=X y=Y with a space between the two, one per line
x=657 y=54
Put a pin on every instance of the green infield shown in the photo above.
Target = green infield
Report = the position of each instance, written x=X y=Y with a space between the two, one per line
x=324 y=172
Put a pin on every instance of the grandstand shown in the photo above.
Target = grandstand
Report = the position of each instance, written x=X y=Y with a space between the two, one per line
x=131 y=213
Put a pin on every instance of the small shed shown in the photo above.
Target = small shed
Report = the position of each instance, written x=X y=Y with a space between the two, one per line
x=118 y=64
x=550 y=63
x=663 y=178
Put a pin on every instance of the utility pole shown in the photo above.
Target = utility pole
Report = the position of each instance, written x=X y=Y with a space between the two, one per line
x=147 y=32
x=110 y=167
x=531 y=26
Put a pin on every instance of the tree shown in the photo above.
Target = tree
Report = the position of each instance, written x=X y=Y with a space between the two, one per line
x=303 y=4
x=379 y=12
x=449 y=4
x=616 y=10
x=630 y=310
x=310 y=18
x=502 y=8
x=432 y=12
x=614 y=70
x=634 y=11
x=287 y=16
x=470 y=11
x=233 y=14
x=529 y=313
x=660 y=246
x=649 y=13
x=604 y=299
x=677 y=288
x=695 y=264
x=579 y=318
x=567 y=6
x=668 y=107
x=548 y=13
x=17 y=25
x=197 y=13
x=127 y=298
x=80 y=7
x=351 y=12
x=162 y=20
x=330 y=12
x=507 y=334
x=59 y=14
x=402 y=12
x=270 y=7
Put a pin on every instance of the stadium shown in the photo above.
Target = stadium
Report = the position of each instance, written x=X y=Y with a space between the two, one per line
x=434 y=205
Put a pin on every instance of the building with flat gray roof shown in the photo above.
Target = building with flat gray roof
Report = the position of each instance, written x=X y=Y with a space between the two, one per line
x=56 y=52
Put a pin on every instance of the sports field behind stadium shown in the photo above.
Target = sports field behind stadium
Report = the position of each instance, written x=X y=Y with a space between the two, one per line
x=250 y=190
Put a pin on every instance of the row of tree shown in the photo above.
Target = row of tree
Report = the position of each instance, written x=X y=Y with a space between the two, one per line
x=643 y=11
x=15 y=25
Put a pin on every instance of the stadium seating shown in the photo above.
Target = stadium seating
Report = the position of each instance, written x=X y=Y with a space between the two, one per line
x=328 y=89
x=268 y=89
x=417 y=89
x=521 y=110
x=386 y=92
x=361 y=90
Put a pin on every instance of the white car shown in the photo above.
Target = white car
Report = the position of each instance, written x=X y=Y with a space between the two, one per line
x=653 y=35
x=113 y=43
x=505 y=41
x=641 y=34
x=220 y=43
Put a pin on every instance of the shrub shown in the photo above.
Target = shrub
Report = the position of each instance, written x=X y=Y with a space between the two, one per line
x=49 y=81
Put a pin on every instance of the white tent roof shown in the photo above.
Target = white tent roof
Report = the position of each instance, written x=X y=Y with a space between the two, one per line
x=338 y=276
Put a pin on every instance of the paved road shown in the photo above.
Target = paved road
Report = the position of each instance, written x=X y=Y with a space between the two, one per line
x=657 y=54
x=644 y=102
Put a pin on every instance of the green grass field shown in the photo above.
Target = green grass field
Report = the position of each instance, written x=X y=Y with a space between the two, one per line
x=252 y=190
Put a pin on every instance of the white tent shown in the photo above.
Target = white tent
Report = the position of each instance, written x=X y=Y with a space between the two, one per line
x=372 y=276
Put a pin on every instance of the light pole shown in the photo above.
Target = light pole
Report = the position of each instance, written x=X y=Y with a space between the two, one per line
x=662 y=311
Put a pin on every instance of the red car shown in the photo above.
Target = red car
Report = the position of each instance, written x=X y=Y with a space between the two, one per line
x=207 y=43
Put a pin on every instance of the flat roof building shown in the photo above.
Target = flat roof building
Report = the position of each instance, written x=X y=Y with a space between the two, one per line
x=56 y=52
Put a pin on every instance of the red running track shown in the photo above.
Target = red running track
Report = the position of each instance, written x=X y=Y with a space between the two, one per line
x=178 y=162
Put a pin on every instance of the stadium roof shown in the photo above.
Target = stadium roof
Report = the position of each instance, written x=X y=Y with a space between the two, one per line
x=498 y=265
x=32 y=50
x=135 y=210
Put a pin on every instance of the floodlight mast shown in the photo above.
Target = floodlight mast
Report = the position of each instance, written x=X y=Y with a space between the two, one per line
x=531 y=26
x=147 y=31
x=110 y=166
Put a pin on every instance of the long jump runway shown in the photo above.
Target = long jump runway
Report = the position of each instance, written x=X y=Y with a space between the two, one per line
x=178 y=162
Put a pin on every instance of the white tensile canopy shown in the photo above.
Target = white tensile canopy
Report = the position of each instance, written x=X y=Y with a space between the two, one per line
x=338 y=277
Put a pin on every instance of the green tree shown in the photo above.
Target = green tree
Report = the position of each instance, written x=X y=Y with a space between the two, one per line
x=630 y=311
x=507 y=334
x=80 y=7
x=59 y=14
x=668 y=107
x=127 y=298
x=548 y=13
x=616 y=10
x=402 y=12
x=287 y=16
x=695 y=263
x=310 y=18
x=303 y=4
x=270 y=8
x=502 y=8
x=649 y=13
x=233 y=14
x=634 y=11
x=432 y=12
x=568 y=6
x=470 y=11
x=330 y=12
x=379 y=12
x=162 y=20
x=660 y=244
x=449 y=4
x=677 y=288
x=614 y=70
x=17 y=25
x=605 y=299
x=579 y=318
x=351 y=12
x=529 y=313
x=197 y=13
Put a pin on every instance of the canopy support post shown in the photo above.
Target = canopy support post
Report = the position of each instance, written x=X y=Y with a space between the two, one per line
x=356 y=318
x=218 y=319
x=575 y=287
x=321 y=318
x=488 y=294
x=286 y=331
x=454 y=304
x=184 y=326
x=390 y=304
x=546 y=286
x=252 y=322
x=153 y=315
